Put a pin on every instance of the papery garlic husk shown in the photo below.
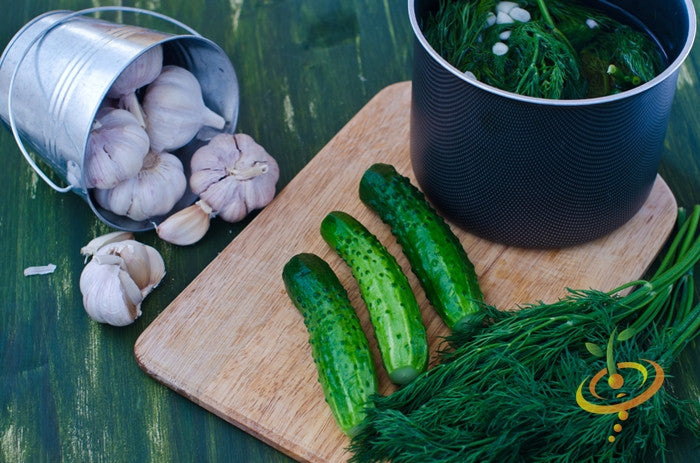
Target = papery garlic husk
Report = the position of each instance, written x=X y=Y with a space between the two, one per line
x=233 y=175
x=141 y=72
x=175 y=109
x=143 y=263
x=186 y=226
x=109 y=294
x=96 y=243
x=153 y=192
x=116 y=148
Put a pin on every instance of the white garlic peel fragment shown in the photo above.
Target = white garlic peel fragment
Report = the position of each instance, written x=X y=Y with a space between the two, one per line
x=186 y=226
x=175 y=111
x=141 y=72
x=117 y=279
x=39 y=270
x=116 y=148
x=153 y=192
x=233 y=175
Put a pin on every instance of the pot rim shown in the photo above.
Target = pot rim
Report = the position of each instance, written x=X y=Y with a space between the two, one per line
x=670 y=70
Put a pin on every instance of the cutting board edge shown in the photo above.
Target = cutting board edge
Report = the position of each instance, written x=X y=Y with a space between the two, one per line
x=240 y=421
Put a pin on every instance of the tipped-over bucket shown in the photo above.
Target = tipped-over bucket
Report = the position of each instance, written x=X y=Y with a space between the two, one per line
x=57 y=70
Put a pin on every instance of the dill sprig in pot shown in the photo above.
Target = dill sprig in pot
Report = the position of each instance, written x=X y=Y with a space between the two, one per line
x=543 y=48
x=585 y=378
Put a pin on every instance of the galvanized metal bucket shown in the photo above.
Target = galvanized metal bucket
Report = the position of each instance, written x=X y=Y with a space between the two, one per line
x=57 y=70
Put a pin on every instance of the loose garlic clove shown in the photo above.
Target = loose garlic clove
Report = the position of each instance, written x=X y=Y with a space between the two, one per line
x=234 y=175
x=153 y=192
x=141 y=72
x=116 y=148
x=109 y=294
x=186 y=226
x=175 y=109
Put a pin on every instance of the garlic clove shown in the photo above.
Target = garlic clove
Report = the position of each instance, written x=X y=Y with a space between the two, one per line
x=134 y=259
x=156 y=270
x=141 y=72
x=102 y=240
x=116 y=148
x=153 y=192
x=109 y=295
x=229 y=195
x=234 y=175
x=175 y=111
x=187 y=226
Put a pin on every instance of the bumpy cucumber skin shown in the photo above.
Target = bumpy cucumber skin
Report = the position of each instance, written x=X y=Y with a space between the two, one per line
x=339 y=347
x=435 y=254
x=392 y=306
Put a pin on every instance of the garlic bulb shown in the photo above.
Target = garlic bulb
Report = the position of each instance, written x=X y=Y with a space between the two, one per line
x=141 y=72
x=187 y=226
x=152 y=192
x=175 y=109
x=117 y=279
x=116 y=148
x=233 y=175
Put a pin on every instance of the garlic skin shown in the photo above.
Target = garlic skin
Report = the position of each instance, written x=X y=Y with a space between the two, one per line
x=175 y=111
x=116 y=148
x=233 y=175
x=187 y=226
x=141 y=72
x=117 y=279
x=96 y=243
x=152 y=192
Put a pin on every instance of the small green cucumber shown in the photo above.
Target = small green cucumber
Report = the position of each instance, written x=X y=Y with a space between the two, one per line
x=392 y=306
x=435 y=254
x=339 y=347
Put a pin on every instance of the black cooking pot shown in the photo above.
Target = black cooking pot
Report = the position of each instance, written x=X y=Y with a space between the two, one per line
x=534 y=172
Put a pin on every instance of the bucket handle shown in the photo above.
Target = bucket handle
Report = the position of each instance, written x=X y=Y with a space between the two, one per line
x=10 y=115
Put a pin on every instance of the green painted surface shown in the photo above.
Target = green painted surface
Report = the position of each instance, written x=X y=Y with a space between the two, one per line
x=70 y=389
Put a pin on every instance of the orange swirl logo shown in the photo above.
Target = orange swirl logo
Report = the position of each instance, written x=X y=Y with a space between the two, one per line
x=622 y=402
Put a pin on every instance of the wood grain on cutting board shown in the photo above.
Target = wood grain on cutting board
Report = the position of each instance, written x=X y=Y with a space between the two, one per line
x=233 y=343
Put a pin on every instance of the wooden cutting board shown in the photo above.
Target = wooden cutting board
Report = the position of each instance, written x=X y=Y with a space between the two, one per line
x=233 y=343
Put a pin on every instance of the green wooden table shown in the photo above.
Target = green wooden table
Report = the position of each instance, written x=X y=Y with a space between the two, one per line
x=70 y=389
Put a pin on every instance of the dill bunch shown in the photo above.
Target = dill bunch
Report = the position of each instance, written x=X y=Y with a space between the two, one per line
x=565 y=50
x=506 y=387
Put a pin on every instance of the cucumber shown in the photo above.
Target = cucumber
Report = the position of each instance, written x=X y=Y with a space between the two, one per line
x=339 y=347
x=392 y=306
x=435 y=254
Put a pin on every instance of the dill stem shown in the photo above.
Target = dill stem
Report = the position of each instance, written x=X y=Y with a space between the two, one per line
x=682 y=238
x=542 y=4
x=684 y=333
x=545 y=14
